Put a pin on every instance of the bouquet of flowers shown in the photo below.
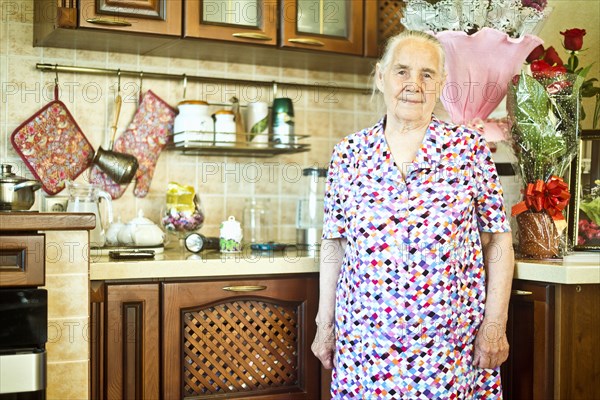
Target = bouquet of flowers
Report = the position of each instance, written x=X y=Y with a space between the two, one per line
x=514 y=17
x=543 y=110
x=476 y=34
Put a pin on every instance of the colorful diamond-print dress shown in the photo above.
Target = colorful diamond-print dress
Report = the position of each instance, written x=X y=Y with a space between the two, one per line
x=411 y=291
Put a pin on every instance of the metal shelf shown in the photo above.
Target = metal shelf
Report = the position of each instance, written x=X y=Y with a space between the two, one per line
x=204 y=143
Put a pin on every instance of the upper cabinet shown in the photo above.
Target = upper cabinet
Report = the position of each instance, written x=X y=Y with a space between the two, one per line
x=145 y=16
x=250 y=21
x=328 y=25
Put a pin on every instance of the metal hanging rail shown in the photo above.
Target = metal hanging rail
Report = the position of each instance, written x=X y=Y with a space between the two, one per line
x=158 y=75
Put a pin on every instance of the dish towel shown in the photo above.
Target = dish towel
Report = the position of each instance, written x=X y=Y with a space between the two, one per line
x=145 y=138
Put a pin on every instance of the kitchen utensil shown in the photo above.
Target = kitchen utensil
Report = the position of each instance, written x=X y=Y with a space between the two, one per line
x=86 y=198
x=146 y=137
x=120 y=167
x=141 y=231
x=256 y=221
x=53 y=146
x=194 y=122
x=16 y=193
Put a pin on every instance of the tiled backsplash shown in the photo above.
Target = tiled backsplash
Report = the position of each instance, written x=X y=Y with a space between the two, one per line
x=223 y=183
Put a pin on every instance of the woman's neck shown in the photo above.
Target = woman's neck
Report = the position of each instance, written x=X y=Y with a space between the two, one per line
x=403 y=127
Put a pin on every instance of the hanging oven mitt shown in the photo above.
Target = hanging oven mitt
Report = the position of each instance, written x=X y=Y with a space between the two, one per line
x=146 y=136
x=53 y=146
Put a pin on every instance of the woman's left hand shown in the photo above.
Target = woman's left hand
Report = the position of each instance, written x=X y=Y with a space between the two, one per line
x=491 y=346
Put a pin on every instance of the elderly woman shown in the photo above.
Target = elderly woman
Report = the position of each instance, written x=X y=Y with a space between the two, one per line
x=416 y=258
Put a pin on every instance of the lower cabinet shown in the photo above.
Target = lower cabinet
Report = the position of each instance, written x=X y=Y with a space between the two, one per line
x=230 y=339
x=555 y=345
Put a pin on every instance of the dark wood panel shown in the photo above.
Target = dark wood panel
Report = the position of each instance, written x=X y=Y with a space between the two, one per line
x=22 y=260
x=34 y=221
x=579 y=342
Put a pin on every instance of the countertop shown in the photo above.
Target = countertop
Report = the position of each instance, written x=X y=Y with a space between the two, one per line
x=42 y=221
x=577 y=268
x=178 y=263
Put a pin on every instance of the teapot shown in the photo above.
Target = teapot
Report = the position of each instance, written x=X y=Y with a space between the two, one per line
x=86 y=199
x=141 y=231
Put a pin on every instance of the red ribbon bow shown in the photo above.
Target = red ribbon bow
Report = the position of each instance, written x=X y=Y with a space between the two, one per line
x=552 y=196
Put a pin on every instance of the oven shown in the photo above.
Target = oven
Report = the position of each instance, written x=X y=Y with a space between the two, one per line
x=23 y=317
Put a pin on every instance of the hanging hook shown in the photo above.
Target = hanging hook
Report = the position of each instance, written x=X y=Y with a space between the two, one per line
x=119 y=81
x=55 y=74
x=184 y=85
x=274 y=89
x=141 y=81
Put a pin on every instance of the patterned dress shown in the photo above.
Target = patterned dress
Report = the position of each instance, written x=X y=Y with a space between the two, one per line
x=411 y=291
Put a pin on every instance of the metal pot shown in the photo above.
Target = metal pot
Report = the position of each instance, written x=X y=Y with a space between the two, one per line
x=16 y=193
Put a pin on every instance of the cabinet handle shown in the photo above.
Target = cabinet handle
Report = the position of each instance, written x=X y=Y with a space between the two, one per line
x=311 y=42
x=245 y=288
x=250 y=35
x=521 y=293
x=105 y=21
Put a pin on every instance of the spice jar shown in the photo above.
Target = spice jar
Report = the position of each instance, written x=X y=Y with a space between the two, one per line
x=225 y=128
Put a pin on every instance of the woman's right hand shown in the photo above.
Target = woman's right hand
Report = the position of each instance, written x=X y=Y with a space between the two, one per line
x=323 y=346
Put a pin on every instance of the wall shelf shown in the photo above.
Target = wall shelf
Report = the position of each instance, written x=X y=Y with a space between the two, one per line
x=203 y=143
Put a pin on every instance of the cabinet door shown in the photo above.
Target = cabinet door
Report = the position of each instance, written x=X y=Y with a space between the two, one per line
x=240 y=339
x=327 y=25
x=147 y=16
x=529 y=371
x=248 y=21
x=131 y=342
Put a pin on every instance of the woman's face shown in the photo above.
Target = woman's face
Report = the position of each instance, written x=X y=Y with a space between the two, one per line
x=412 y=82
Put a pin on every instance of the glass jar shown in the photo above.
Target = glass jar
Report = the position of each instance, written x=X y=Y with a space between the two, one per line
x=257 y=221
x=309 y=213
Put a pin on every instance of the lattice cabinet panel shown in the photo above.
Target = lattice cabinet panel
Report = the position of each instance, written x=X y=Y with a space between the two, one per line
x=240 y=339
x=239 y=346
x=389 y=14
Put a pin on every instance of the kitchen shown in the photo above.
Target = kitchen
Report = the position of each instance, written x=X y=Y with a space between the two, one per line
x=222 y=182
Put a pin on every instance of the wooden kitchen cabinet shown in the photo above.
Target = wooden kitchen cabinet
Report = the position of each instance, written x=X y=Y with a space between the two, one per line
x=555 y=346
x=246 y=21
x=240 y=339
x=323 y=25
x=161 y=17
x=227 y=338
x=125 y=341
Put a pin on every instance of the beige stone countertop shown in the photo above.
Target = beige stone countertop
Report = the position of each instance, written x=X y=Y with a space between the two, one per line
x=178 y=263
x=574 y=268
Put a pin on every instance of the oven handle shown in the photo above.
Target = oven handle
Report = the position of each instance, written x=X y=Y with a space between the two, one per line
x=22 y=372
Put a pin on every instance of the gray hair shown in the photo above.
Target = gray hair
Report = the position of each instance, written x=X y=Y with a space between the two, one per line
x=393 y=42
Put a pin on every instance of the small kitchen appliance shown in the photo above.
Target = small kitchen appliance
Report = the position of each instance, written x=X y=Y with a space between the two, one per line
x=309 y=213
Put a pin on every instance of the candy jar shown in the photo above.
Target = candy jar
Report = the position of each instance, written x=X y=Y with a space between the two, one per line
x=183 y=212
x=231 y=236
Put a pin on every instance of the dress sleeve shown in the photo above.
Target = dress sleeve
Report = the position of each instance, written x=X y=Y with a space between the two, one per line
x=334 y=220
x=491 y=215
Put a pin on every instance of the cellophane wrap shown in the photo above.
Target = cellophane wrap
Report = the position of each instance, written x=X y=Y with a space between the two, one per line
x=544 y=117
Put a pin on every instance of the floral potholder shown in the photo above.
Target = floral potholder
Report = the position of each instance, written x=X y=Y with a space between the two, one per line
x=53 y=146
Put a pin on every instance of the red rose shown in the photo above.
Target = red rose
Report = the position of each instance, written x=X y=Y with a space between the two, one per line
x=536 y=54
x=573 y=39
x=552 y=57
x=541 y=69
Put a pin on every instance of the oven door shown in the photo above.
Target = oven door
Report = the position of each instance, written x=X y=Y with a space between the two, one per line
x=24 y=322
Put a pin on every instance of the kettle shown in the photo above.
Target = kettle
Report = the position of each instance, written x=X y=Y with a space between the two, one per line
x=86 y=199
x=141 y=231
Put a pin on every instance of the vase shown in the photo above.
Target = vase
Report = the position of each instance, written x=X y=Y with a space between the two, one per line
x=538 y=236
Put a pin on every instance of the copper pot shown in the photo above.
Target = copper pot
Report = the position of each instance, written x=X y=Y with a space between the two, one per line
x=16 y=193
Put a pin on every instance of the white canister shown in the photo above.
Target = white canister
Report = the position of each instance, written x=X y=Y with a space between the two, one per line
x=225 y=128
x=193 y=122
x=258 y=123
x=230 y=239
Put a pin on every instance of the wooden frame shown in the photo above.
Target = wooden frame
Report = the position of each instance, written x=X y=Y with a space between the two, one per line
x=583 y=175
